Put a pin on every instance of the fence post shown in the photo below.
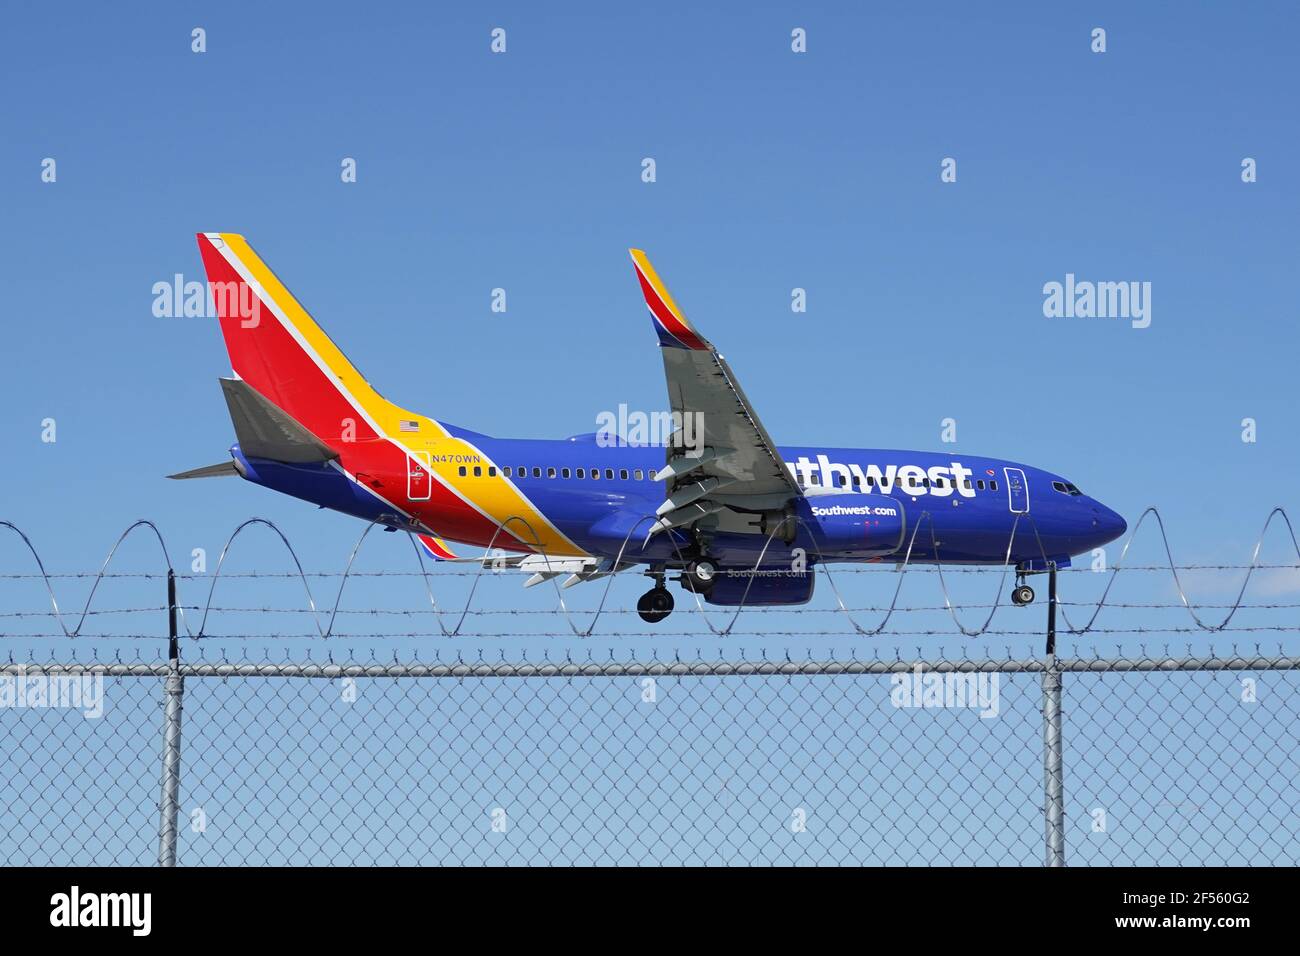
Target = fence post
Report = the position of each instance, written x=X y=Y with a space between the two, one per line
x=173 y=692
x=1053 y=756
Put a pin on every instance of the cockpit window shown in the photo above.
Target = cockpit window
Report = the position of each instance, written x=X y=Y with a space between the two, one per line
x=1066 y=488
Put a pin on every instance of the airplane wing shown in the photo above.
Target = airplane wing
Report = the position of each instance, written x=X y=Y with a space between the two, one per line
x=723 y=455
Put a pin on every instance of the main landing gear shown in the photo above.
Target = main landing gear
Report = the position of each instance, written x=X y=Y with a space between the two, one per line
x=700 y=575
x=655 y=605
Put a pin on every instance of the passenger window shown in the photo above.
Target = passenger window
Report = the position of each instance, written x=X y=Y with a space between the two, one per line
x=638 y=474
x=550 y=472
x=966 y=484
x=609 y=473
x=461 y=471
x=537 y=472
x=506 y=471
x=980 y=484
x=478 y=471
x=492 y=471
x=871 y=481
x=582 y=472
x=564 y=473
x=622 y=473
x=595 y=474
x=993 y=485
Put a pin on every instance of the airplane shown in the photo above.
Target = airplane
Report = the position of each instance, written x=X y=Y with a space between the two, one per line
x=738 y=519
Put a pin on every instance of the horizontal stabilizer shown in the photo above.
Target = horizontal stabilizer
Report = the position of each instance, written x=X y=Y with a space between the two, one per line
x=209 y=471
x=266 y=431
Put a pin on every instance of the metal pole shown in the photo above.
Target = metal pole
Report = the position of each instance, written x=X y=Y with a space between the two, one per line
x=173 y=691
x=1051 y=609
x=1053 y=756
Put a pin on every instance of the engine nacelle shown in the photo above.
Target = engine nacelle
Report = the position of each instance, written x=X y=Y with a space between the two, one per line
x=851 y=525
x=761 y=587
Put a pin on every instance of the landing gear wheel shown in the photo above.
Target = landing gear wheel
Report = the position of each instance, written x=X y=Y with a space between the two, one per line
x=700 y=575
x=1022 y=595
x=655 y=605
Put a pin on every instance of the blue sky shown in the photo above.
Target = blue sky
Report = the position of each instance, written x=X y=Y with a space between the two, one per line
x=774 y=171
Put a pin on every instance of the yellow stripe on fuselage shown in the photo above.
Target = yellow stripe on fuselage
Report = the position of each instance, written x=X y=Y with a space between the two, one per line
x=496 y=496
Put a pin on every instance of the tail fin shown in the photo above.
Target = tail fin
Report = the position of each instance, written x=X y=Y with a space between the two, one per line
x=278 y=349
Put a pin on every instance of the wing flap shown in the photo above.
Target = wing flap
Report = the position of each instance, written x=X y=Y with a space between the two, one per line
x=543 y=567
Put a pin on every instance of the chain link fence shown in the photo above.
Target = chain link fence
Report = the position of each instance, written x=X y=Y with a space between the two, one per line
x=900 y=762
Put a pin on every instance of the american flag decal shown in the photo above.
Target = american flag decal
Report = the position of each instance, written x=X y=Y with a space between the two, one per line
x=405 y=426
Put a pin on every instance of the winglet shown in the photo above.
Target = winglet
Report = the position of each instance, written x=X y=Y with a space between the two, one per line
x=670 y=324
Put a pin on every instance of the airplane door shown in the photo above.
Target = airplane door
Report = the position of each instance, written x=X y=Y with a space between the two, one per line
x=1017 y=490
x=418 y=481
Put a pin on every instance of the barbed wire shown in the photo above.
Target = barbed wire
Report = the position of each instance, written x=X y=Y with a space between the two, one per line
x=1030 y=650
x=617 y=634
x=518 y=611
x=878 y=567
x=899 y=568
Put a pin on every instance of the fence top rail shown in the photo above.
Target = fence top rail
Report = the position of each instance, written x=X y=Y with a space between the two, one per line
x=331 y=671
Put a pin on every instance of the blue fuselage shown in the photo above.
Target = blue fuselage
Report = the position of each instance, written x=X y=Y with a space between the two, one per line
x=952 y=508
x=966 y=517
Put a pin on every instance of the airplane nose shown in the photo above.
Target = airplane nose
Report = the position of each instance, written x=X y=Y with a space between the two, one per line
x=1107 y=522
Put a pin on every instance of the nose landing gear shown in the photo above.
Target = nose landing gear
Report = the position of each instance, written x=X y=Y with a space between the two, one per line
x=1023 y=594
